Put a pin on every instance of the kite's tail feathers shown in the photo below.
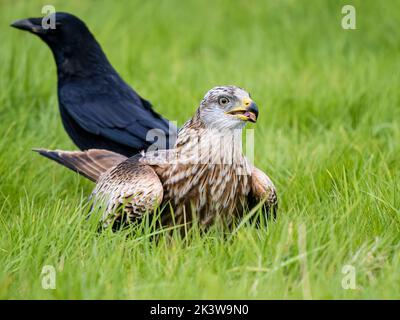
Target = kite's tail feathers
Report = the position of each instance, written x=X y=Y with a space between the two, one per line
x=91 y=163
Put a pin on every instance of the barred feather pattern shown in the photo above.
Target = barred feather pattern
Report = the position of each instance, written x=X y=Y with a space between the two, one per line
x=202 y=179
x=127 y=191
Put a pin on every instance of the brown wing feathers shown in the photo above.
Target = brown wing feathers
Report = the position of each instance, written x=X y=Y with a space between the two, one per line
x=262 y=188
x=91 y=163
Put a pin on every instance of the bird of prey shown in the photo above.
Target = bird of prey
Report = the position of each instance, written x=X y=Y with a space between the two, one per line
x=205 y=175
x=98 y=109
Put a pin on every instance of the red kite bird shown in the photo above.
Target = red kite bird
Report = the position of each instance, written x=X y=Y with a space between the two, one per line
x=205 y=174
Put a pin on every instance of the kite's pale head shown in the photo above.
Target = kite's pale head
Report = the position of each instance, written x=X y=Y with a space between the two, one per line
x=227 y=107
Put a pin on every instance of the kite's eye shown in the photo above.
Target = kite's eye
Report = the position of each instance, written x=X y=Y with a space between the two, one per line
x=223 y=101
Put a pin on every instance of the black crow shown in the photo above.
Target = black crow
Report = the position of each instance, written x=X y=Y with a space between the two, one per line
x=98 y=108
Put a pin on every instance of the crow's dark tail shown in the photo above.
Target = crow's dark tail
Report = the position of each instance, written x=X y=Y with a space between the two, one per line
x=91 y=163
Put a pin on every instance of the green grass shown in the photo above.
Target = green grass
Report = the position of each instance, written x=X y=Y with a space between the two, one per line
x=328 y=135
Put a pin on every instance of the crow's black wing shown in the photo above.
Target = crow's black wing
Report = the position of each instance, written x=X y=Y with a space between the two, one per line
x=109 y=108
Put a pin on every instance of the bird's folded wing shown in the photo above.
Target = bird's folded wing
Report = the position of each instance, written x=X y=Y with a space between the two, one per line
x=128 y=191
x=262 y=189
x=121 y=116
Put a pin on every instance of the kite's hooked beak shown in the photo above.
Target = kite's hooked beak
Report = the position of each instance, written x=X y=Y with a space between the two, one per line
x=247 y=111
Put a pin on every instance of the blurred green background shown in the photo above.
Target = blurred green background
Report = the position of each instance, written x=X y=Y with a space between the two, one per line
x=328 y=135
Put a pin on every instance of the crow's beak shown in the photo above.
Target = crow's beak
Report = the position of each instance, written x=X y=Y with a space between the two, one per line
x=33 y=25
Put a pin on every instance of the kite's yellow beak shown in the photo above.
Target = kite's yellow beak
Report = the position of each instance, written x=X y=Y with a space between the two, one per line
x=246 y=111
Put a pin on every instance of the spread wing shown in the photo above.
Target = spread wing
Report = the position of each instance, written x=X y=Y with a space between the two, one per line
x=128 y=191
x=262 y=188
x=110 y=109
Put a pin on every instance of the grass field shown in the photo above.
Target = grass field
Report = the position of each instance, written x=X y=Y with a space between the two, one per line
x=328 y=134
